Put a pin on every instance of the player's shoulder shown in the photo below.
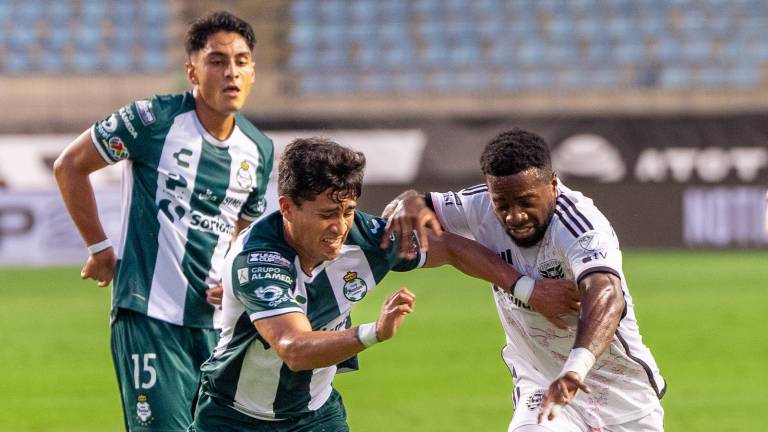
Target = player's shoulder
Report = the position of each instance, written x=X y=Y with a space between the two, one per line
x=473 y=198
x=162 y=109
x=254 y=134
x=576 y=215
x=367 y=230
x=264 y=242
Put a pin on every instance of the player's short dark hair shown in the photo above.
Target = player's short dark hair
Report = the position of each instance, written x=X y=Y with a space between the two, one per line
x=213 y=22
x=514 y=151
x=309 y=166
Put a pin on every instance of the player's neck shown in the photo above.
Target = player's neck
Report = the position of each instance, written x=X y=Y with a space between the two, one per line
x=219 y=125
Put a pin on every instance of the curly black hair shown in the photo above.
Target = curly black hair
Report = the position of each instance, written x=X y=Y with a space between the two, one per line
x=310 y=166
x=514 y=151
x=203 y=27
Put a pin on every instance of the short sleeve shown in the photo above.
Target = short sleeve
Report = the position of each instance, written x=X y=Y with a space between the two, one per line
x=122 y=135
x=264 y=281
x=456 y=211
x=372 y=230
x=594 y=251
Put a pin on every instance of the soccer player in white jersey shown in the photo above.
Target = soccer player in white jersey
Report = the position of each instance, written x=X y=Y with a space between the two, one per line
x=597 y=376
x=291 y=281
x=195 y=174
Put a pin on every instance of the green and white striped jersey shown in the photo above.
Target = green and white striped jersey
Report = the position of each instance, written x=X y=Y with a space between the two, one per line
x=266 y=280
x=183 y=191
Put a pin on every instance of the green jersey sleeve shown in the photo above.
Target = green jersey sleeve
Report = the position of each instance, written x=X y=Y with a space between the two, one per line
x=126 y=133
x=264 y=281
x=373 y=228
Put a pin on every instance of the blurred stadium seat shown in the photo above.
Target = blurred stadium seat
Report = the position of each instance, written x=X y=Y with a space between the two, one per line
x=543 y=44
x=68 y=36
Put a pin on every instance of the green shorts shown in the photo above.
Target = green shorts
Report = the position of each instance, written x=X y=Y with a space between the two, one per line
x=212 y=415
x=158 y=370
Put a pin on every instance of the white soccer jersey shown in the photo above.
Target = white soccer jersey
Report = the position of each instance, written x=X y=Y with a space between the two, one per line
x=625 y=380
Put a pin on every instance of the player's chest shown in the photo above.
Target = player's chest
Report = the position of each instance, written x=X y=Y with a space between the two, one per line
x=329 y=293
x=544 y=260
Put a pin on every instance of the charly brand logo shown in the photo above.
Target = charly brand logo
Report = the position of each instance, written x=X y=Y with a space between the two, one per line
x=143 y=411
x=244 y=176
x=242 y=275
x=588 y=156
x=110 y=124
x=354 y=287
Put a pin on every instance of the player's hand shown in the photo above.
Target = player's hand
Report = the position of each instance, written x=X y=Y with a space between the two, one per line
x=213 y=295
x=100 y=267
x=406 y=214
x=560 y=393
x=555 y=298
x=393 y=312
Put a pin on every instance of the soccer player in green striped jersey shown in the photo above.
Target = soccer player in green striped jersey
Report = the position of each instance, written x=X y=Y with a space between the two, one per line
x=291 y=280
x=196 y=172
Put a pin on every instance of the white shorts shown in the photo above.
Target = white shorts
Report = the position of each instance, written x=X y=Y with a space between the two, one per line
x=530 y=387
x=569 y=420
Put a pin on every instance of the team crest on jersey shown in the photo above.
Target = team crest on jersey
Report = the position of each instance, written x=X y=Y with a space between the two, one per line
x=354 y=287
x=589 y=242
x=110 y=125
x=117 y=148
x=244 y=176
x=143 y=411
x=534 y=399
x=144 y=108
x=552 y=269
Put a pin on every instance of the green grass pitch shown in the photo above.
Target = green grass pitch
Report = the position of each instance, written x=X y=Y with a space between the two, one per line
x=702 y=314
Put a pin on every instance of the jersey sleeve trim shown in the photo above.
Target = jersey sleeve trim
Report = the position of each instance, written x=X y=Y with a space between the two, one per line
x=99 y=148
x=437 y=209
x=248 y=217
x=273 y=313
x=598 y=269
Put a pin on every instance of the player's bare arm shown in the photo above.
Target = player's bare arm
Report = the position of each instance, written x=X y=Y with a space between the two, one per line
x=552 y=298
x=291 y=335
x=601 y=309
x=71 y=170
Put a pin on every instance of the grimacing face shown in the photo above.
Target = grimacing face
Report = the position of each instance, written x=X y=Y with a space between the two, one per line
x=223 y=71
x=524 y=203
x=319 y=227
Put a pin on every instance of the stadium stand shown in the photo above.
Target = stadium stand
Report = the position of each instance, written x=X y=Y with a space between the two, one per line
x=84 y=37
x=389 y=46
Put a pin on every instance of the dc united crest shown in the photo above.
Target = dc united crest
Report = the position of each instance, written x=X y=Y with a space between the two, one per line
x=552 y=269
x=354 y=287
x=143 y=411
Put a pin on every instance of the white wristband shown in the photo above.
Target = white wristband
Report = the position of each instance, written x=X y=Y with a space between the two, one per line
x=580 y=360
x=523 y=288
x=100 y=246
x=366 y=333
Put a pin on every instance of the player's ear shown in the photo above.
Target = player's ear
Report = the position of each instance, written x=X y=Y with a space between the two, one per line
x=191 y=73
x=286 y=206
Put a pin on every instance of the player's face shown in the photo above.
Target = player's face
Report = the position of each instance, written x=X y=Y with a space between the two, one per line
x=319 y=227
x=524 y=203
x=223 y=72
